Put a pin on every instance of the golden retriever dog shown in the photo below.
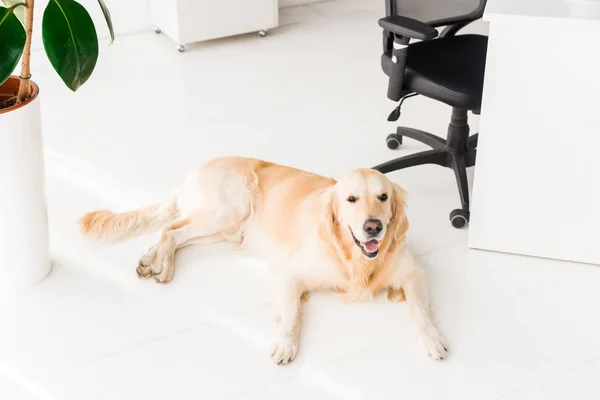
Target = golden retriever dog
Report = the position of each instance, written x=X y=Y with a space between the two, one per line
x=316 y=234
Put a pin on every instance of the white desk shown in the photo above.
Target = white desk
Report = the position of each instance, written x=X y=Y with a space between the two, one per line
x=536 y=188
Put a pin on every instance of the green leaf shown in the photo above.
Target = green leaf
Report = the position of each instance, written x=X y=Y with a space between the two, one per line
x=12 y=41
x=19 y=12
x=108 y=20
x=70 y=41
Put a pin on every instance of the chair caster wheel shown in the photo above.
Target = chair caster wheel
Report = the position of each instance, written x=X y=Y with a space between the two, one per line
x=262 y=33
x=157 y=30
x=180 y=48
x=459 y=218
x=393 y=141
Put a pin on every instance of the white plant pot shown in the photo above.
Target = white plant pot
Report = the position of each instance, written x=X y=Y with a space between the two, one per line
x=24 y=240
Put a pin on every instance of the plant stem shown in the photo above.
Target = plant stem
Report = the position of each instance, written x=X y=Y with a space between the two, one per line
x=24 y=87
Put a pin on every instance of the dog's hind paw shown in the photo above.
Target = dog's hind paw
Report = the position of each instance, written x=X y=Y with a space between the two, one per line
x=144 y=267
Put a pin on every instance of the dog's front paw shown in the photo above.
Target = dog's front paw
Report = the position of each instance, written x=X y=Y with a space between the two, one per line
x=143 y=270
x=285 y=349
x=164 y=270
x=434 y=345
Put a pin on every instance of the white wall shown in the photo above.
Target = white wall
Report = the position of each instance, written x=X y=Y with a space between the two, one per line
x=290 y=3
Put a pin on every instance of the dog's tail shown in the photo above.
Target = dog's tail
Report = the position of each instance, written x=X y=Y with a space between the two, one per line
x=109 y=226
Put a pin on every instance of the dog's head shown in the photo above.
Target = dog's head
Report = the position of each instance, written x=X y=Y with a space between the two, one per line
x=367 y=210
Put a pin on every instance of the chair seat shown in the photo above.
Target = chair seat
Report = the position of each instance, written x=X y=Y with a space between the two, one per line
x=448 y=69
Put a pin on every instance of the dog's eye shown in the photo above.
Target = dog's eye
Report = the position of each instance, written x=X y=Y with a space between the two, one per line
x=383 y=197
x=351 y=199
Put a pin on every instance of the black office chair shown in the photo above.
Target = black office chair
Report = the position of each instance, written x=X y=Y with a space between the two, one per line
x=444 y=67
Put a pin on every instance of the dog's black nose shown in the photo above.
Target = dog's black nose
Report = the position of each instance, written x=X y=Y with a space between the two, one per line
x=373 y=227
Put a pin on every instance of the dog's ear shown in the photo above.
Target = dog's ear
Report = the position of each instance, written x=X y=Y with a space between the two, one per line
x=329 y=225
x=399 y=220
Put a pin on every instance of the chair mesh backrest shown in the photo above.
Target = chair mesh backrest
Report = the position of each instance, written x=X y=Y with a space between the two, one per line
x=435 y=12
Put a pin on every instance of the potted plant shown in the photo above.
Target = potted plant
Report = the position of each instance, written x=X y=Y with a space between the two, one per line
x=71 y=44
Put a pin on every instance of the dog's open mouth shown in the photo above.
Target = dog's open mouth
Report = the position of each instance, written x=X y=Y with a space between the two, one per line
x=370 y=248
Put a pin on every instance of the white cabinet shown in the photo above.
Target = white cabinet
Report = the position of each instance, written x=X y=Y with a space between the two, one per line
x=190 y=21
x=536 y=188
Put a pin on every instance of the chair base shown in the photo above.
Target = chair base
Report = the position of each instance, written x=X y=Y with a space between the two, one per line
x=458 y=152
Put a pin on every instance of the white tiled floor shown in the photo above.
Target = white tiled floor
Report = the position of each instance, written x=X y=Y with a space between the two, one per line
x=311 y=95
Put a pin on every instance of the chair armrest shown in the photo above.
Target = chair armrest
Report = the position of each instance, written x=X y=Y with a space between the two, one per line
x=408 y=27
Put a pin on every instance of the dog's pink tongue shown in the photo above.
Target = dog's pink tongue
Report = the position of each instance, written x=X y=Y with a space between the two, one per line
x=371 y=246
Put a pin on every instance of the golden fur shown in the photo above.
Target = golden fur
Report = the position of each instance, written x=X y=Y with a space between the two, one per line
x=310 y=229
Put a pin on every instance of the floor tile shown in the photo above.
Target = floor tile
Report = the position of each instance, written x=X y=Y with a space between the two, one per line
x=463 y=280
x=332 y=329
x=493 y=351
x=208 y=362
x=293 y=389
x=580 y=382
x=70 y=318
x=299 y=15
x=13 y=390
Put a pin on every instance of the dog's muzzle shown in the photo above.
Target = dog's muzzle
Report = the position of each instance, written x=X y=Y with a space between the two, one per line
x=369 y=248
